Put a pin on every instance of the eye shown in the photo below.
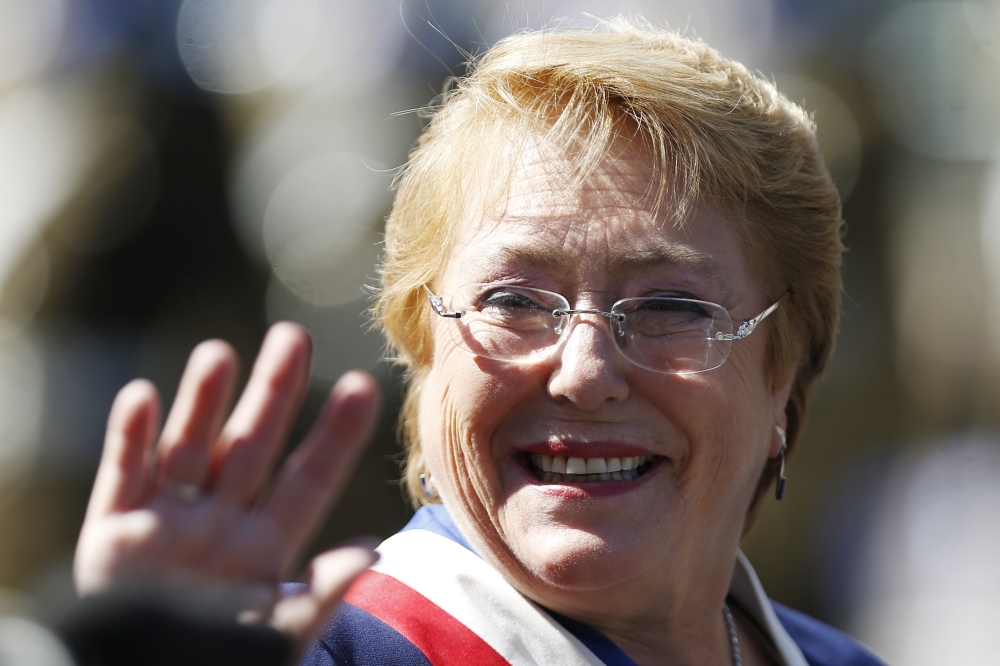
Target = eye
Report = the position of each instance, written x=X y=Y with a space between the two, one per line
x=678 y=306
x=508 y=298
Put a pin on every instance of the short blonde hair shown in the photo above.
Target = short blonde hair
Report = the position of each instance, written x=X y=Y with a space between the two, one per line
x=715 y=131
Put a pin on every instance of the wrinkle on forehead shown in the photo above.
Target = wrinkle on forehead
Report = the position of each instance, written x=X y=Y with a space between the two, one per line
x=539 y=188
x=544 y=180
x=553 y=224
x=518 y=174
x=622 y=263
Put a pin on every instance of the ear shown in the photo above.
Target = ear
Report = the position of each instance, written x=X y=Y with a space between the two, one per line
x=780 y=392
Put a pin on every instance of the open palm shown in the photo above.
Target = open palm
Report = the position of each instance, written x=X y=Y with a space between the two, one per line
x=197 y=505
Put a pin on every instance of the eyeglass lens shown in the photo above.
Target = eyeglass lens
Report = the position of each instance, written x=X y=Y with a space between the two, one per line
x=664 y=334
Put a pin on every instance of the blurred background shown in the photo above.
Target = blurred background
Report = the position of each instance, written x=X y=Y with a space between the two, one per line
x=172 y=171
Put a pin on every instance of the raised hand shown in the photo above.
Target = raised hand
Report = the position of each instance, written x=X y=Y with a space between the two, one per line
x=196 y=506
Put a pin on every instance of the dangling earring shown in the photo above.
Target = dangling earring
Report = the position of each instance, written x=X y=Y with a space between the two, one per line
x=779 y=490
x=429 y=491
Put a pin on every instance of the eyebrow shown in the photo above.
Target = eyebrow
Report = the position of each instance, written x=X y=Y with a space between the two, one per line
x=629 y=262
x=641 y=261
x=532 y=257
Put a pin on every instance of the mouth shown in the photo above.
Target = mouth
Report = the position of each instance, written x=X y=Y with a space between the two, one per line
x=571 y=469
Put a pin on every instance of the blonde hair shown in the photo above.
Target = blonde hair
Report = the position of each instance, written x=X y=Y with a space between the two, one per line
x=715 y=133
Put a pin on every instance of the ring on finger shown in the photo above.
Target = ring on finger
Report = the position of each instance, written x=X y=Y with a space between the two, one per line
x=187 y=493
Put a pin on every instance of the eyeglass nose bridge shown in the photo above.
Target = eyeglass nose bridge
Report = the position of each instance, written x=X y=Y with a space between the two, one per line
x=616 y=317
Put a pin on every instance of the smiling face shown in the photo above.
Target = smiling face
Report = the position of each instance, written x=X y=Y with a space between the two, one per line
x=664 y=541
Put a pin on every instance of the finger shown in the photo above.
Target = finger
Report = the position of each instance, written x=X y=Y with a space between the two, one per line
x=314 y=474
x=252 y=437
x=122 y=477
x=197 y=414
x=303 y=616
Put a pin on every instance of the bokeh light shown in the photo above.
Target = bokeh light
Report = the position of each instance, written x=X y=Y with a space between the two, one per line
x=930 y=593
x=30 y=33
x=239 y=46
x=319 y=228
x=44 y=149
x=23 y=642
x=936 y=88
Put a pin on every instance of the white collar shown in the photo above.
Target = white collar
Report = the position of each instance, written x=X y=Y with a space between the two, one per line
x=746 y=590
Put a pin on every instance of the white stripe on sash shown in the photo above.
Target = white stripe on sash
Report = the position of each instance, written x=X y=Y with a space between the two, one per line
x=476 y=594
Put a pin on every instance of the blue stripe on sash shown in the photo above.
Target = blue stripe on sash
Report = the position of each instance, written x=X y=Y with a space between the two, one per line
x=357 y=638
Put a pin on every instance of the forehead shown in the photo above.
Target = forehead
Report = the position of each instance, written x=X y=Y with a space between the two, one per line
x=606 y=226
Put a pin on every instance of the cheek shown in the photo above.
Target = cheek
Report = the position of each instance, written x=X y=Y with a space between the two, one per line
x=725 y=418
x=463 y=400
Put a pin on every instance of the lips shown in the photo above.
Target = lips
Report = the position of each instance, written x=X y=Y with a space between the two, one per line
x=573 y=469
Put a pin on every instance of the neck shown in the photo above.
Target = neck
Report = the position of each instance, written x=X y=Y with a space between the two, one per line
x=653 y=625
x=706 y=644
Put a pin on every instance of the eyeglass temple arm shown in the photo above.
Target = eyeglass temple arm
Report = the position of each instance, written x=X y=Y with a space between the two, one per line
x=438 y=305
x=748 y=325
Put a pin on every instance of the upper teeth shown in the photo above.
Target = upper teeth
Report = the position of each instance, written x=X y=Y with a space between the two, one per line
x=573 y=465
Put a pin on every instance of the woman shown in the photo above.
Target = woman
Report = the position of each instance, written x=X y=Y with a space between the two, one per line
x=612 y=273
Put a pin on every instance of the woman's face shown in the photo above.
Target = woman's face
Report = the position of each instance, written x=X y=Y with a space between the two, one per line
x=585 y=548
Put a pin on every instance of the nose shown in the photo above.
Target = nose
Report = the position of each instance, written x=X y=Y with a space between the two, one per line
x=590 y=371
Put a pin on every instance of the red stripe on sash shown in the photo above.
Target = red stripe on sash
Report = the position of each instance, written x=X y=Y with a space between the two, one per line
x=444 y=640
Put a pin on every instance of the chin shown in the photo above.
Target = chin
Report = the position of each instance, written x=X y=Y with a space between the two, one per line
x=578 y=560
